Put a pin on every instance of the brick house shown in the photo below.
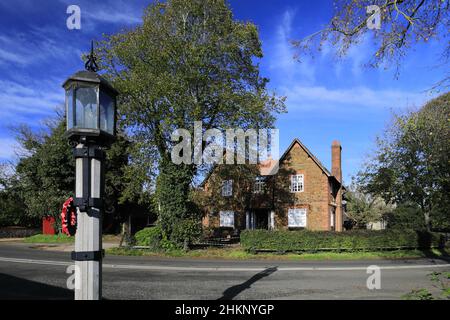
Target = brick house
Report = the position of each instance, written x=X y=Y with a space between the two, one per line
x=302 y=194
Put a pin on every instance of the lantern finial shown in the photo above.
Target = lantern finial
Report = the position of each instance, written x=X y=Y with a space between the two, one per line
x=91 y=64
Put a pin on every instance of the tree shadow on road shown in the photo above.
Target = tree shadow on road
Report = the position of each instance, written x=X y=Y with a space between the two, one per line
x=13 y=288
x=233 y=291
x=443 y=255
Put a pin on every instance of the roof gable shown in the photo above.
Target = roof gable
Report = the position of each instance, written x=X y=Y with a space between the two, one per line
x=309 y=153
x=272 y=167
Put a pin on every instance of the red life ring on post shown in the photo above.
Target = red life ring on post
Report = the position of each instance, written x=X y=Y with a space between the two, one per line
x=69 y=218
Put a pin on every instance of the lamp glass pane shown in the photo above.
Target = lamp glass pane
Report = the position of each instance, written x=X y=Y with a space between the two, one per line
x=69 y=108
x=86 y=108
x=107 y=105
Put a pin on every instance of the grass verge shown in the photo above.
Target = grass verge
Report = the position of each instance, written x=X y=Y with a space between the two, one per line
x=62 y=238
x=47 y=238
x=240 y=254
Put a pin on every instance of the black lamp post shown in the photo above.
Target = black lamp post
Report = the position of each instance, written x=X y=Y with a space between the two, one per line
x=91 y=124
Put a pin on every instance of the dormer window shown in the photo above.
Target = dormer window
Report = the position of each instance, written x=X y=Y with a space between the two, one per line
x=297 y=183
x=227 y=188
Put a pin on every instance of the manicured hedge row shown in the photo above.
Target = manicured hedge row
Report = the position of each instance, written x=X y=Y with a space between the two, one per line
x=366 y=240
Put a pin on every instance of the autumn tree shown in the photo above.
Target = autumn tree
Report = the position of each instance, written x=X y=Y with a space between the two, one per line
x=188 y=61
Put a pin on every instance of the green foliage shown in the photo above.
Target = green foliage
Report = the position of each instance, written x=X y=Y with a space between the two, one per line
x=187 y=230
x=363 y=208
x=440 y=281
x=243 y=176
x=168 y=246
x=172 y=194
x=45 y=176
x=411 y=163
x=45 y=171
x=12 y=210
x=46 y=238
x=124 y=190
x=419 y=294
x=367 y=240
x=188 y=61
x=149 y=237
x=405 y=216
x=237 y=253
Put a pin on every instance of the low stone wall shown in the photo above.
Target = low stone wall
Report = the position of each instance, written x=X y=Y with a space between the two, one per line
x=17 y=232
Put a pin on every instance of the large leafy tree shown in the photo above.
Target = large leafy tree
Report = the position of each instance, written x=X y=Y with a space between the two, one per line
x=45 y=173
x=188 y=61
x=12 y=209
x=404 y=24
x=363 y=208
x=411 y=163
x=45 y=170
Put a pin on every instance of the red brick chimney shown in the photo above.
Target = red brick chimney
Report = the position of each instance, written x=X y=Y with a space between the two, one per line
x=336 y=169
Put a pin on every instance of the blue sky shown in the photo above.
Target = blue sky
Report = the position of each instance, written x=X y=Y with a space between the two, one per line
x=326 y=99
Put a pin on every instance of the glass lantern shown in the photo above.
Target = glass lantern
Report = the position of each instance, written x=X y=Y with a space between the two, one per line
x=90 y=107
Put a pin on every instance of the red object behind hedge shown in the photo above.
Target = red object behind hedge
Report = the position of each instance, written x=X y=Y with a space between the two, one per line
x=48 y=225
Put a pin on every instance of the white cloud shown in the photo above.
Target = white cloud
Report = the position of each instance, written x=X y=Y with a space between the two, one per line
x=24 y=50
x=110 y=11
x=281 y=54
x=312 y=97
x=18 y=101
x=114 y=16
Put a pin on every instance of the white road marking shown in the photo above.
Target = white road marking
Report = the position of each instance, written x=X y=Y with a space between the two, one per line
x=226 y=269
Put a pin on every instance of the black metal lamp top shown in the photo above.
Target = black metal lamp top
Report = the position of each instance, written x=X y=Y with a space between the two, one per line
x=90 y=105
x=91 y=64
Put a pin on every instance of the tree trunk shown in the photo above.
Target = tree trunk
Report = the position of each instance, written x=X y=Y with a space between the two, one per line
x=427 y=220
x=126 y=233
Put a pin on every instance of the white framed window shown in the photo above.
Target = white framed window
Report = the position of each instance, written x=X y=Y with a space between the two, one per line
x=226 y=219
x=260 y=182
x=227 y=188
x=297 y=218
x=297 y=183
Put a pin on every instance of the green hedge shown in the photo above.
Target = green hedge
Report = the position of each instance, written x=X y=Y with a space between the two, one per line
x=149 y=236
x=366 y=240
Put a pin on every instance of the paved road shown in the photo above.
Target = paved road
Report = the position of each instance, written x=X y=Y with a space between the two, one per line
x=29 y=273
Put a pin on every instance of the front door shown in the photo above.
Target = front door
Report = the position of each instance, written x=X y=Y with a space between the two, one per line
x=257 y=219
x=262 y=219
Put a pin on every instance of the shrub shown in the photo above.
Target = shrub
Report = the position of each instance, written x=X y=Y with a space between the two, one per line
x=154 y=238
x=149 y=237
x=186 y=231
x=366 y=240
x=167 y=245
